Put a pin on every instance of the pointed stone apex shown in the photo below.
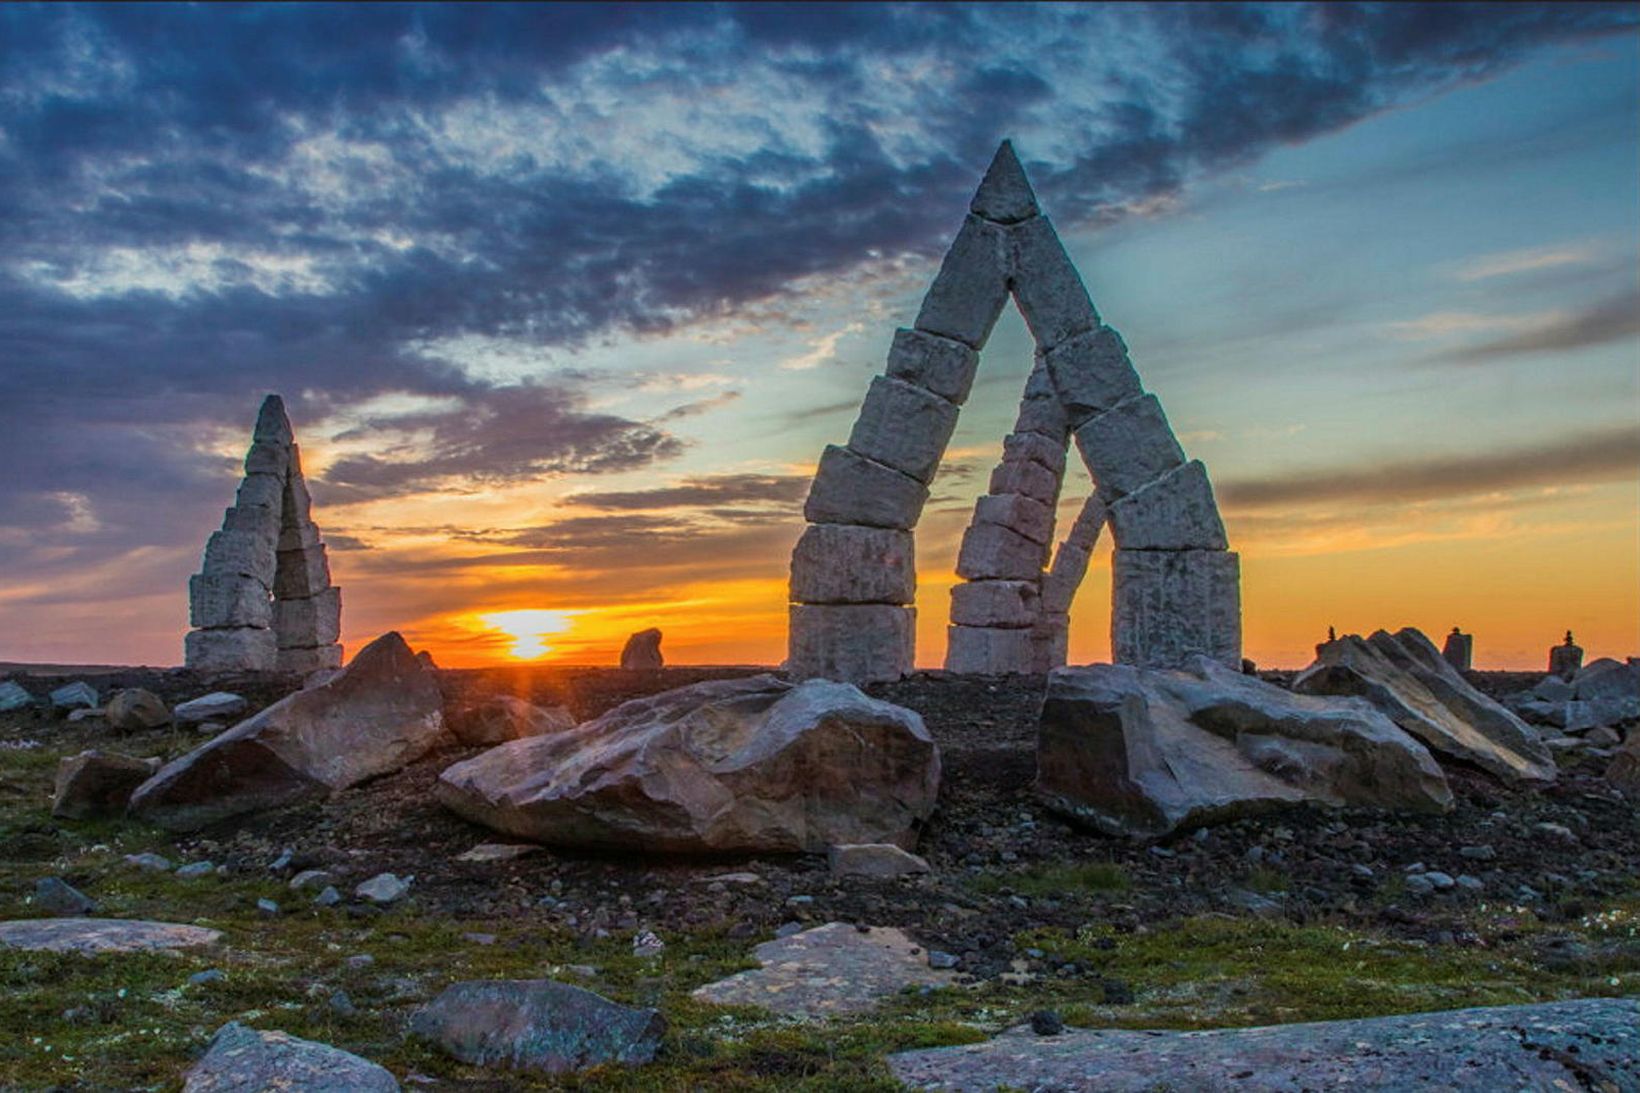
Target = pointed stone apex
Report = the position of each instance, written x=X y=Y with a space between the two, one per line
x=271 y=422
x=1004 y=196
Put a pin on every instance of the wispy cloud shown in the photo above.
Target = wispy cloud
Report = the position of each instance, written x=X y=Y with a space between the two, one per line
x=710 y=490
x=1606 y=454
x=1524 y=261
x=821 y=351
x=1612 y=320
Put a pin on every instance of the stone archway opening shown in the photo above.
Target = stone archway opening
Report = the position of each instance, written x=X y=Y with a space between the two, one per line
x=1175 y=584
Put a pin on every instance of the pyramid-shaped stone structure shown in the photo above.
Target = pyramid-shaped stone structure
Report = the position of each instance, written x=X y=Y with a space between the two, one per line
x=262 y=600
x=853 y=577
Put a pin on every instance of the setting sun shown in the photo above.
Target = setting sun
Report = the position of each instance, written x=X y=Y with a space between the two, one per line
x=528 y=629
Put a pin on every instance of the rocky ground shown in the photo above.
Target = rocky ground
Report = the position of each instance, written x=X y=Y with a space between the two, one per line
x=1519 y=895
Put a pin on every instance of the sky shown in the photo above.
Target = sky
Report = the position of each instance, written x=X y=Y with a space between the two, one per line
x=565 y=301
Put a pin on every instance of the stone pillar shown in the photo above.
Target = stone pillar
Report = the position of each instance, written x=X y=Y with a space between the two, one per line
x=263 y=600
x=1050 y=638
x=1565 y=659
x=1459 y=650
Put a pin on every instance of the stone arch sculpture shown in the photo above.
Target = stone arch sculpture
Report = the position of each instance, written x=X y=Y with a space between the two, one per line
x=263 y=600
x=1176 y=585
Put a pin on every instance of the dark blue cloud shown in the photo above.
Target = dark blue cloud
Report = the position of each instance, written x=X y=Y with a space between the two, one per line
x=297 y=195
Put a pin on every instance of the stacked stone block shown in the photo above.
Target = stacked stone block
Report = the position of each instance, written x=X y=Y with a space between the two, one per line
x=1050 y=636
x=263 y=600
x=1177 y=585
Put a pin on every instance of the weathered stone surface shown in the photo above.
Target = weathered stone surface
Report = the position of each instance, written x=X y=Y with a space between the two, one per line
x=302 y=661
x=941 y=365
x=988 y=651
x=496 y=719
x=216 y=706
x=1403 y=675
x=230 y=599
x=840 y=563
x=1046 y=285
x=1045 y=416
x=300 y=573
x=310 y=621
x=1144 y=753
x=1004 y=195
x=1050 y=642
x=272 y=423
x=55 y=896
x=537 y=1024
x=1585 y=1044
x=245 y=553
x=245 y=648
x=1046 y=451
x=1565 y=659
x=1026 y=515
x=752 y=764
x=135 y=709
x=265 y=457
x=96 y=784
x=903 y=427
x=642 y=651
x=1026 y=477
x=253 y=519
x=1624 y=771
x=89 y=936
x=848 y=488
x=245 y=1060
x=1129 y=447
x=874 y=860
x=383 y=888
x=831 y=969
x=494 y=852
x=1459 y=650
x=260 y=491
x=1091 y=374
x=1167 y=605
x=851 y=643
x=78 y=695
x=1175 y=512
x=971 y=287
x=1611 y=687
x=382 y=712
x=1070 y=561
x=13 y=696
x=299 y=537
x=995 y=603
x=993 y=552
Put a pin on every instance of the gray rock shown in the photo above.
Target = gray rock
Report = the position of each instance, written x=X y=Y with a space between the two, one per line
x=1025 y=476
x=1171 y=513
x=1592 y=1042
x=327 y=898
x=267 y=907
x=831 y=969
x=1091 y=375
x=942 y=961
x=851 y=643
x=642 y=651
x=750 y=764
x=14 y=697
x=97 y=784
x=1403 y=675
x=77 y=717
x=196 y=869
x=1046 y=286
x=1143 y=753
x=848 y=488
x=995 y=603
x=904 y=427
x=839 y=563
x=493 y=852
x=537 y=1024
x=971 y=287
x=381 y=713
x=1624 y=771
x=384 y=888
x=149 y=862
x=209 y=975
x=1024 y=515
x=102 y=935
x=941 y=365
x=240 y=649
x=1169 y=605
x=242 y=1059
x=74 y=696
x=55 y=896
x=1004 y=195
x=993 y=552
x=223 y=600
x=874 y=860
x=989 y=651
x=311 y=878
x=1129 y=446
x=496 y=719
x=216 y=706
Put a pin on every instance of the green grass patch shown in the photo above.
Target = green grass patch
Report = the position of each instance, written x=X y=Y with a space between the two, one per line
x=1057 y=881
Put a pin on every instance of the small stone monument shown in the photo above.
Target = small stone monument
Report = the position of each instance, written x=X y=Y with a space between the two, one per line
x=262 y=600
x=1459 y=650
x=643 y=651
x=1566 y=659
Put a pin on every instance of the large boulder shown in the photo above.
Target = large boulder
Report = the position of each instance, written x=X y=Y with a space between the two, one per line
x=496 y=719
x=220 y=706
x=1406 y=677
x=97 y=783
x=1145 y=752
x=643 y=651
x=380 y=713
x=537 y=1024
x=242 y=1059
x=1624 y=771
x=13 y=696
x=134 y=709
x=753 y=764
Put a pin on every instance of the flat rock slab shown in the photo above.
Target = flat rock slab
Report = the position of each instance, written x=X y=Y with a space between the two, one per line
x=537 y=1024
x=102 y=935
x=1591 y=1043
x=242 y=1059
x=835 y=968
